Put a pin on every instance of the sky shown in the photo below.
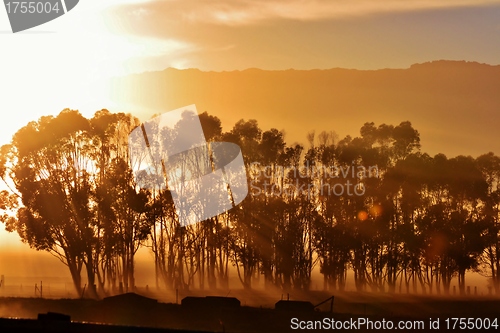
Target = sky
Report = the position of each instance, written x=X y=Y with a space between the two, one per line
x=282 y=34
x=67 y=62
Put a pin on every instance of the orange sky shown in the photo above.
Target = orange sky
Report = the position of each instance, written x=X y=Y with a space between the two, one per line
x=282 y=34
x=68 y=62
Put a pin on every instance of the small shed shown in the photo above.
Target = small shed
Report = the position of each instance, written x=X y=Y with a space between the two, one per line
x=54 y=316
x=299 y=306
x=130 y=299
x=210 y=302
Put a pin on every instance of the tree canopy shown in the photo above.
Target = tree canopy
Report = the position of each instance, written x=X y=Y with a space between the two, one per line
x=375 y=205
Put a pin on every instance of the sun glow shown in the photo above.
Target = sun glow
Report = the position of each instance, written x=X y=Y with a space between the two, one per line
x=67 y=63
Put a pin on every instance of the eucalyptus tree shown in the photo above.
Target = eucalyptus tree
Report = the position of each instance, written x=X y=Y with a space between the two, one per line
x=408 y=179
x=453 y=224
x=121 y=224
x=489 y=164
x=60 y=167
x=335 y=207
x=468 y=189
x=243 y=238
x=48 y=162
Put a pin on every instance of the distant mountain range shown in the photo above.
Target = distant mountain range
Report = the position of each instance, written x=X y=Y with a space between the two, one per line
x=454 y=104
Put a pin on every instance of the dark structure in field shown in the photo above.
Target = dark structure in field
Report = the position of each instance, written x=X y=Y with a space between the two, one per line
x=130 y=299
x=210 y=302
x=135 y=313
x=300 y=306
x=53 y=317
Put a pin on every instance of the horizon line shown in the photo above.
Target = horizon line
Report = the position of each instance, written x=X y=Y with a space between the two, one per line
x=430 y=62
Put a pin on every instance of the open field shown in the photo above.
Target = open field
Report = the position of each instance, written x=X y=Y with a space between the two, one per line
x=145 y=312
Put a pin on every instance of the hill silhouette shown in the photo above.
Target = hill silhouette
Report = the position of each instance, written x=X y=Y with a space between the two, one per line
x=454 y=104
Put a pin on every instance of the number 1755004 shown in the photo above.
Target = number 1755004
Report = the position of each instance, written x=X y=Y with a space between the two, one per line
x=32 y=7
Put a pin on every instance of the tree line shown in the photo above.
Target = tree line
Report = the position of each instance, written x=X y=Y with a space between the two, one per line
x=373 y=205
